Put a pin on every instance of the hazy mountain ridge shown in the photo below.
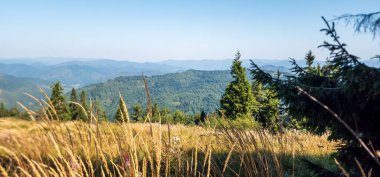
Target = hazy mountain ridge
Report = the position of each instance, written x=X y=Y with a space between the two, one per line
x=26 y=77
x=13 y=89
x=81 y=73
x=209 y=65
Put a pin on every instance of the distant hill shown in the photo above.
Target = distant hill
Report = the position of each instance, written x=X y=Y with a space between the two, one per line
x=209 y=65
x=25 y=75
x=81 y=73
x=190 y=91
x=12 y=89
x=202 y=92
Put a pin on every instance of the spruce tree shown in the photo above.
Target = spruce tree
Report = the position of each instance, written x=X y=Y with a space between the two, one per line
x=179 y=117
x=309 y=59
x=237 y=100
x=343 y=100
x=137 y=112
x=74 y=109
x=3 y=110
x=267 y=110
x=121 y=113
x=98 y=112
x=59 y=102
x=14 y=112
x=155 y=112
x=203 y=116
x=83 y=102
x=200 y=117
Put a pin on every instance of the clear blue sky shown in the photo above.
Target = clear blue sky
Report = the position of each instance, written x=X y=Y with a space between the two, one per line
x=152 y=30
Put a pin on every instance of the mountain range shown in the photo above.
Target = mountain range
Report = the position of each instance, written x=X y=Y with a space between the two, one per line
x=13 y=89
x=24 y=75
x=81 y=72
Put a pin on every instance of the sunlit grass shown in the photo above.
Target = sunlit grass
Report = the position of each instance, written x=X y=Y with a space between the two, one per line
x=52 y=148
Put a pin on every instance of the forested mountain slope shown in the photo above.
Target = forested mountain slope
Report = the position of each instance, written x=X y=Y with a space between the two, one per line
x=190 y=91
x=12 y=89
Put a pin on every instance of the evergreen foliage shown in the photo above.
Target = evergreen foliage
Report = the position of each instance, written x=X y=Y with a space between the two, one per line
x=155 y=112
x=349 y=88
x=179 y=116
x=3 y=110
x=363 y=22
x=74 y=109
x=59 y=103
x=188 y=91
x=137 y=113
x=83 y=102
x=119 y=115
x=122 y=113
x=12 y=112
x=200 y=118
x=237 y=100
x=267 y=110
x=309 y=59
x=203 y=116
x=99 y=112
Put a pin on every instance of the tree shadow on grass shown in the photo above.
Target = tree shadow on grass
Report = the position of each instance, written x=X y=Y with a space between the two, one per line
x=258 y=163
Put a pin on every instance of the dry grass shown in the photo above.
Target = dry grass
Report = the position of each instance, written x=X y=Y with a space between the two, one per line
x=48 y=147
x=52 y=148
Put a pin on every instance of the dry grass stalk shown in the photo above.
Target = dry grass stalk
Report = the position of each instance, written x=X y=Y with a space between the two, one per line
x=47 y=147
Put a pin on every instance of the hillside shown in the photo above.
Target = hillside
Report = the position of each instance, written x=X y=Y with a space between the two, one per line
x=12 y=89
x=190 y=91
x=81 y=73
x=19 y=78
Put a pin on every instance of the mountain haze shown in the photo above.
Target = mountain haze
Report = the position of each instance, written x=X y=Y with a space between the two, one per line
x=13 y=89
x=81 y=73
x=209 y=65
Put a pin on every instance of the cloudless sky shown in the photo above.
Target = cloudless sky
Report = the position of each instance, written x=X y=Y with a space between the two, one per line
x=152 y=30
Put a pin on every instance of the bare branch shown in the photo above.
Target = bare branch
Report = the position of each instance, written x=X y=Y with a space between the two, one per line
x=342 y=122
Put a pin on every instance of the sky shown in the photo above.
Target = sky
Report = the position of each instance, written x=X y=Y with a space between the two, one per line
x=155 y=30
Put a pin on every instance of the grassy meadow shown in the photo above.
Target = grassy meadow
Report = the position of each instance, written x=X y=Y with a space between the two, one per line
x=52 y=148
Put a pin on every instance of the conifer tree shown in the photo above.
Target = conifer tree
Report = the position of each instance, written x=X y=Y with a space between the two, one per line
x=203 y=116
x=309 y=59
x=98 y=112
x=83 y=102
x=343 y=100
x=118 y=116
x=59 y=102
x=3 y=110
x=121 y=113
x=155 y=112
x=200 y=117
x=137 y=112
x=14 y=112
x=179 y=117
x=74 y=109
x=267 y=110
x=237 y=100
